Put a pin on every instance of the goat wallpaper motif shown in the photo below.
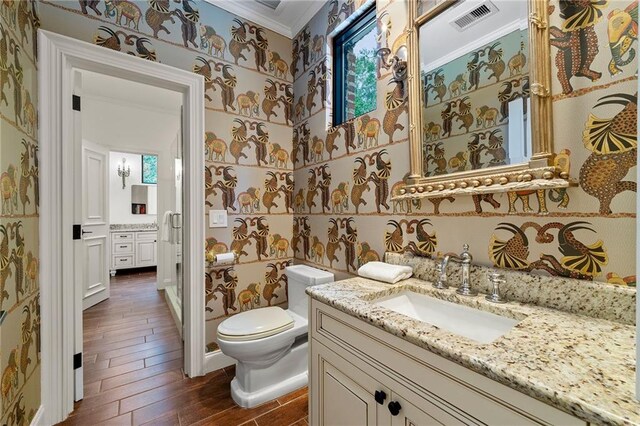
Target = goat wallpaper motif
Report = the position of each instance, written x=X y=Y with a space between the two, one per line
x=295 y=187
x=19 y=286
x=248 y=117
x=585 y=232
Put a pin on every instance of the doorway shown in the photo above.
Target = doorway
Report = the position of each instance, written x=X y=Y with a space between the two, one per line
x=75 y=265
x=131 y=177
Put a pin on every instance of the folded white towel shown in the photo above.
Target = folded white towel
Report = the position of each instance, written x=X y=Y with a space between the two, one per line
x=385 y=272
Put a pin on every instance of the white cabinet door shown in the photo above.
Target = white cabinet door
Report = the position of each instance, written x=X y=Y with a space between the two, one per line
x=344 y=395
x=344 y=401
x=94 y=252
x=418 y=412
x=145 y=253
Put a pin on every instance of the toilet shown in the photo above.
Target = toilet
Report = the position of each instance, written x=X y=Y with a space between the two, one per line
x=270 y=344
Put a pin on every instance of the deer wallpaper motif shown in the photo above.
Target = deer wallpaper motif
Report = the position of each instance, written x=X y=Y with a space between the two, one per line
x=248 y=118
x=344 y=179
x=19 y=286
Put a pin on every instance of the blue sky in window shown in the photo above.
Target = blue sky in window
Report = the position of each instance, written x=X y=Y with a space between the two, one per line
x=366 y=43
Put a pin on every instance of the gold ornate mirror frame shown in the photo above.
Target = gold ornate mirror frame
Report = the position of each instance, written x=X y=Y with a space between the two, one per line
x=539 y=172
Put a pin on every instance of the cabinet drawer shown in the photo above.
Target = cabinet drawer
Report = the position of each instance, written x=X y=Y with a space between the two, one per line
x=457 y=390
x=146 y=236
x=123 y=261
x=122 y=248
x=121 y=236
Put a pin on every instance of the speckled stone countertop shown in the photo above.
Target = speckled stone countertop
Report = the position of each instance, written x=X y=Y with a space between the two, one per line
x=133 y=227
x=581 y=365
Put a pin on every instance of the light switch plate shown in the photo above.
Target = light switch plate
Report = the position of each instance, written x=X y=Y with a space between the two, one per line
x=217 y=218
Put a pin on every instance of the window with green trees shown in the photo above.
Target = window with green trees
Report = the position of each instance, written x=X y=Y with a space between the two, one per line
x=354 y=68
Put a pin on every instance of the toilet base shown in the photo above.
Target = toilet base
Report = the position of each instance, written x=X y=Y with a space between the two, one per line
x=254 y=385
x=253 y=399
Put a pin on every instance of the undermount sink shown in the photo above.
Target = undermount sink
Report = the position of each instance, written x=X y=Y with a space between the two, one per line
x=483 y=327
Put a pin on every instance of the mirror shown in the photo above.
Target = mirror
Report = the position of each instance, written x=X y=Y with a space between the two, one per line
x=475 y=95
x=480 y=104
x=144 y=199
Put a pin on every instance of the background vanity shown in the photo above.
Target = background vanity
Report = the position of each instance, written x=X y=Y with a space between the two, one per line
x=133 y=215
x=133 y=246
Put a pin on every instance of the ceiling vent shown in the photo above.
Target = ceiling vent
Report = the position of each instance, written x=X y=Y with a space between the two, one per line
x=271 y=4
x=474 y=16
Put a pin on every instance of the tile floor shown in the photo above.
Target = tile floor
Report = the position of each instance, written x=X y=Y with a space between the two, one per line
x=133 y=369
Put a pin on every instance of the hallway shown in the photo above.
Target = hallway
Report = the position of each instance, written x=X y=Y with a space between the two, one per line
x=133 y=369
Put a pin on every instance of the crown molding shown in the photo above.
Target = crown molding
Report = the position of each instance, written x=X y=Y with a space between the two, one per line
x=307 y=16
x=259 y=14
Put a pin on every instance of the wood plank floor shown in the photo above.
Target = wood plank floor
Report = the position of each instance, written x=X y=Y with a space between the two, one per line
x=133 y=369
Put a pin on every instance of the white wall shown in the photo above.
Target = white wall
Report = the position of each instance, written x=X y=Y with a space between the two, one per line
x=120 y=199
x=127 y=127
x=147 y=121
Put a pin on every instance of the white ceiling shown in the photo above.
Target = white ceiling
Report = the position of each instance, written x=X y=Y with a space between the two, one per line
x=511 y=15
x=287 y=19
x=115 y=89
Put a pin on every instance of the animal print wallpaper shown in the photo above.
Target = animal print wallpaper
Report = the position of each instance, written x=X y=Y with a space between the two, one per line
x=19 y=286
x=345 y=176
x=466 y=125
x=248 y=119
x=295 y=187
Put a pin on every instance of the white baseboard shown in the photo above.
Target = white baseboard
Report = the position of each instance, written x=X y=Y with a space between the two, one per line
x=38 y=419
x=216 y=360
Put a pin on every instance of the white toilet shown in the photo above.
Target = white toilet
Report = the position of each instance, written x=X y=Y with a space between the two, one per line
x=270 y=344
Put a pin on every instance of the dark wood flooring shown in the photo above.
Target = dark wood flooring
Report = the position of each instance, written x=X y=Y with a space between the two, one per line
x=133 y=369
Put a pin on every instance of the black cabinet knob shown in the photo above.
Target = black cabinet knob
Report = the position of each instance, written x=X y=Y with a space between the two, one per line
x=394 y=408
x=380 y=397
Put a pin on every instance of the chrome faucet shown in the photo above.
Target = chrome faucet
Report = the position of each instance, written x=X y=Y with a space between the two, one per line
x=441 y=270
x=465 y=259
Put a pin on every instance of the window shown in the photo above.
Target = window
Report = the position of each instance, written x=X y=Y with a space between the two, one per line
x=150 y=169
x=354 y=68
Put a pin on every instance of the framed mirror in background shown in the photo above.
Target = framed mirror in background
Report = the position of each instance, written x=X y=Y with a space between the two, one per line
x=480 y=104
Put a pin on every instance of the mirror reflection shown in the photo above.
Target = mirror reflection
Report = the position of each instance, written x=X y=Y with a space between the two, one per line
x=475 y=86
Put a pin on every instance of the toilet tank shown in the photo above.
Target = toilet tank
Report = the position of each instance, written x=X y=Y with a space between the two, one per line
x=299 y=277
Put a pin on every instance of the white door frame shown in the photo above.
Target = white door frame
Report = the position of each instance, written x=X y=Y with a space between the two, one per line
x=59 y=56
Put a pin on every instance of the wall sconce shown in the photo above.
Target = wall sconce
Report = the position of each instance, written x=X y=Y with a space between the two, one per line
x=124 y=173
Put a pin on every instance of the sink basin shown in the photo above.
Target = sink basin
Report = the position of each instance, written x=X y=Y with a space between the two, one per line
x=483 y=327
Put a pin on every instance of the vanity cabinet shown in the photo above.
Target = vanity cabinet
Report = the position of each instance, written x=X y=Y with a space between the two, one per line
x=133 y=249
x=362 y=375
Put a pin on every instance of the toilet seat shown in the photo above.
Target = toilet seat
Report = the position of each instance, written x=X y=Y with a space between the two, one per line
x=255 y=324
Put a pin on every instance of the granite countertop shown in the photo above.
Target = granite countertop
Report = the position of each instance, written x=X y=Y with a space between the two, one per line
x=579 y=364
x=133 y=227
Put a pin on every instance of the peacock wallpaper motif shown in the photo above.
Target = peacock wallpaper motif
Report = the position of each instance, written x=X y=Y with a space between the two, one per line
x=297 y=189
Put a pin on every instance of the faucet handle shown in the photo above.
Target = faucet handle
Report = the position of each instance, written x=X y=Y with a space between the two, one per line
x=495 y=278
x=465 y=255
x=441 y=282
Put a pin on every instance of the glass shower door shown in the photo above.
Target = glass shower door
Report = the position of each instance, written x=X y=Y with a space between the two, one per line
x=172 y=226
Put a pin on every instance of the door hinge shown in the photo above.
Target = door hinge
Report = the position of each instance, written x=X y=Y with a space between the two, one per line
x=77 y=361
x=77 y=232
x=75 y=102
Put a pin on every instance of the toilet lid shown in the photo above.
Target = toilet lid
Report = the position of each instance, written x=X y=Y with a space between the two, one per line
x=255 y=324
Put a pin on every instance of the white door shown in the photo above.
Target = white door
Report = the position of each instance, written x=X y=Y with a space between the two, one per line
x=94 y=251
